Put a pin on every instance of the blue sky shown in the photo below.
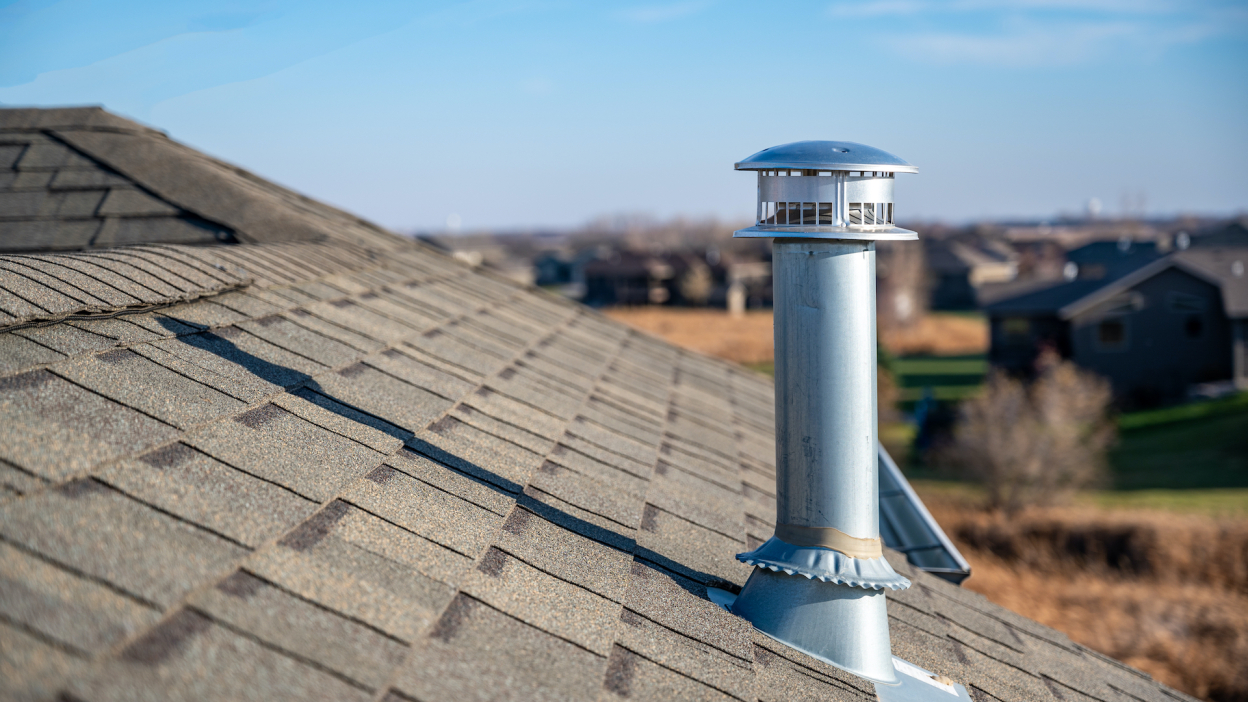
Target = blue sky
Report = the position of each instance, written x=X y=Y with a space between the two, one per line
x=513 y=114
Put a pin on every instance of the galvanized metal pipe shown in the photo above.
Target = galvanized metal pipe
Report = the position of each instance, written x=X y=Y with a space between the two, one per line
x=826 y=429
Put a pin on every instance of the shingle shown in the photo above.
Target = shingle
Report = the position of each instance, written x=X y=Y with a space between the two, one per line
x=282 y=332
x=452 y=369
x=128 y=202
x=479 y=492
x=31 y=179
x=599 y=442
x=630 y=427
x=439 y=516
x=439 y=344
x=274 y=444
x=934 y=653
x=719 y=462
x=508 y=410
x=203 y=313
x=403 y=366
x=581 y=521
x=79 y=613
x=560 y=405
x=335 y=331
x=232 y=361
x=182 y=481
x=16 y=481
x=55 y=428
x=436 y=301
x=293 y=624
x=691 y=549
x=780 y=680
x=19 y=353
x=118 y=329
x=10 y=153
x=318 y=290
x=681 y=605
x=69 y=281
x=704 y=503
x=685 y=655
x=32 y=669
x=514 y=434
x=143 y=265
x=568 y=611
x=388 y=594
x=632 y=676
x=364 y=321
x=465 y=448
x=87 y=266
x=67 y=339
x=134 y=381
x=323 y=411
x=395 y=306
x=628 y=474
x=23 y=203
x=45 y=154
x=560 y=385
x=502 y=329
x=188 y=657
x=248 y=304
x=613 y=500
x=14 y=307
x=565 y=554
x=66 y=179
x=370 y=390
x=476 y=652
x=98 y=531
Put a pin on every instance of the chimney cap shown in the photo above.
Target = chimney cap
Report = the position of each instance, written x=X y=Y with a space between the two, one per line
x=827 y=156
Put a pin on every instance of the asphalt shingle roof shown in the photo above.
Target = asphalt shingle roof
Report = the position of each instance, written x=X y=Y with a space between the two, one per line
x=351 y=468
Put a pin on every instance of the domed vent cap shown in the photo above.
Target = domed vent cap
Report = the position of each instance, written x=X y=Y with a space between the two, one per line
x=826 y=156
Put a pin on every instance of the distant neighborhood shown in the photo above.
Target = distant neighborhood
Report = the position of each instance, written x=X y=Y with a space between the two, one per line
x=1159 y=308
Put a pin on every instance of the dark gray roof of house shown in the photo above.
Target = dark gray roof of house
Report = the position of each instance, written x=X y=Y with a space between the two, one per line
x=339 y=465
x=1228 y=267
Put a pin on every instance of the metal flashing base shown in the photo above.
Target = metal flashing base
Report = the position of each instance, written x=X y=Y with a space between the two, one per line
x=842 y=625
x=912 y=683
x=824 y=564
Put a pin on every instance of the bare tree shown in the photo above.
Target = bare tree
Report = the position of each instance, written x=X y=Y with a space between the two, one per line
x=1035 y=444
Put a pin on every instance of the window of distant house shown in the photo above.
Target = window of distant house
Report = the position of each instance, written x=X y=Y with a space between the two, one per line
x=1016 y=329
x=1111 y=334
x=1194 y=326
x=1182 y=302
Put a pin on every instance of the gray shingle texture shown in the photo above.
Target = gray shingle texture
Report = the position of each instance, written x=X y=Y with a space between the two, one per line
x=329 y=463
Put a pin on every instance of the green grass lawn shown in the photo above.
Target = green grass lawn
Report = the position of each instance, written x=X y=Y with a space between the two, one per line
x=950 y=378
x=1200 y=445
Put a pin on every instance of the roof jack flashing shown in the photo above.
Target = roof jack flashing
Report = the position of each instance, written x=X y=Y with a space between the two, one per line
x=818 y=584
x=914 y=684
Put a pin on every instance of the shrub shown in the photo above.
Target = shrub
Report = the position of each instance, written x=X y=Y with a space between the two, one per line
x=1033 y=444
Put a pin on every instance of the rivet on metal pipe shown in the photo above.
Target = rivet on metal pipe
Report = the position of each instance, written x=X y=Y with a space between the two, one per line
x=819 y=582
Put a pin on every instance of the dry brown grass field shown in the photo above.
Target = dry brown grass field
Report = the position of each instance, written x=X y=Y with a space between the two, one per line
x=1162 y=591
x=747 y=339
x=1166 y=593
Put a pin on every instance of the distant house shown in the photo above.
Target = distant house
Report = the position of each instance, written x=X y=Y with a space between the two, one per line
x=958 y=270
x=1154 y=326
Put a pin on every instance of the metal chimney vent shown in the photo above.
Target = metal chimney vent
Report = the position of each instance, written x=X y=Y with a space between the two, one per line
x=818 y=584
